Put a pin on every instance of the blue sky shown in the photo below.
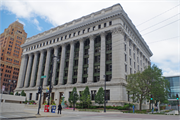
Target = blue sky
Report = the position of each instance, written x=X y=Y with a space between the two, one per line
x=160 y=18
x=29 y=26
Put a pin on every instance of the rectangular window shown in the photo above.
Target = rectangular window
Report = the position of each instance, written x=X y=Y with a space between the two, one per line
x=88 y=29
x=107 y=95
x=94 y=27
x=93 y=94
x=130 y=70
x=110 y=23
x=99 y=26
x=37 y=96
x=130 y=61
x=104 y=24
x=134 y=65
x=125 y=68
x=125 y=57
x=124 y=47
x=129 y=51
x=30 y=96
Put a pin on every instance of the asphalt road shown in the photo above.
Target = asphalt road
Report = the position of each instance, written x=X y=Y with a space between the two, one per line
x=107 y=116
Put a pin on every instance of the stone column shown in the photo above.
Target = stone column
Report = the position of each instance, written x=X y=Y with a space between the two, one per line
x=28 y=70
x=33 y=70
x=54 y=64
x=61 y=72
x=118 y=66
x=47 y=67
x=40 y=69
x=103 y=57
x=91 y=61
x=80 y=61
x=22 y=71
x=71 y=60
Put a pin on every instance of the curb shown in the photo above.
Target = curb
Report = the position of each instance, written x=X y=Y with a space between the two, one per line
x=19 y=117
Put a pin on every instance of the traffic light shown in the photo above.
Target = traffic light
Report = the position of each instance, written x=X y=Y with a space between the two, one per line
x=177 y=97
x=39 y=90
x=151 y=97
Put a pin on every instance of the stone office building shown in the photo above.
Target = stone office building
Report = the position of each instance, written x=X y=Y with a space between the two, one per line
x=104 y=43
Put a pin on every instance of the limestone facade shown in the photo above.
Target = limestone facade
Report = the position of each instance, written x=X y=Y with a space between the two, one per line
x=102 y=43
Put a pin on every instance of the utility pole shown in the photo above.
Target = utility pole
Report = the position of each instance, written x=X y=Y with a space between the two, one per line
x=74 y=101
x=104 y=93
x=39 y=92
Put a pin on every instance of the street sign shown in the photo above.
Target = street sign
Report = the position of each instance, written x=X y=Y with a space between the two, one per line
x=3 y=88
x=43 y=76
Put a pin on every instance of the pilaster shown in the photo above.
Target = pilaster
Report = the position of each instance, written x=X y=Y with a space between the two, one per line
x=91 y=60
x=28 y=70
x=34 y=69
x=22 y=71
x=54 y=64
x=70 y=69
x=80 y=61
x=40 y=69
x=61 y=72
x=103 y=57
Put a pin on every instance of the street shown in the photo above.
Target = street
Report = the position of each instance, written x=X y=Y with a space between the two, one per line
x=70 y=115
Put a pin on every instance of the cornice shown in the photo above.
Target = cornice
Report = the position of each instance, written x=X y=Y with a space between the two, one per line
x=78 y=26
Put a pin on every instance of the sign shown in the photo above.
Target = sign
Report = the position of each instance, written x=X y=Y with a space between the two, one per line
x=43 y=76
x=3 y=88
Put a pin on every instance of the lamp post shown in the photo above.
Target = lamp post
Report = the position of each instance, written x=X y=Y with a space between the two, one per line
x=104 y=93
x=74 y=101
x=9 y=86
x=51 y=77
x=40 y=92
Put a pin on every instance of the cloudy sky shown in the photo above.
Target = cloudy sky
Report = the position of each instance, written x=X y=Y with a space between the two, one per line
x=158 y=21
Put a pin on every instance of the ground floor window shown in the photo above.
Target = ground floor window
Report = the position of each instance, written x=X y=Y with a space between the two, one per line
x=37 y=96
x=107 y=94
x=30 y=96
x=93 y=94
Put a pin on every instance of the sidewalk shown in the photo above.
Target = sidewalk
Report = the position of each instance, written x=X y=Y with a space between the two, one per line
x=28 y=113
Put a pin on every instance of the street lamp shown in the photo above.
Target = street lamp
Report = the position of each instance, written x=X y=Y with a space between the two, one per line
x=104 y=93
x=51 y=77
x=9 y=86
x=74 y=101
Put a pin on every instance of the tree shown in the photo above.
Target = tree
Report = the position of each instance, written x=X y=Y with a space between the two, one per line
x=23 y=93
x=85 y=97
x=17 y=94
x=73 y=98
x=99 y=98
x=150 y=81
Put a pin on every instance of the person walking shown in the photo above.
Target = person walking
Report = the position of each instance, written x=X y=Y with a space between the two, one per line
x=59 y=108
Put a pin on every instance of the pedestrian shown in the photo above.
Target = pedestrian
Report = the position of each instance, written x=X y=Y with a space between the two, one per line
x=59 y=108
x=156 y=108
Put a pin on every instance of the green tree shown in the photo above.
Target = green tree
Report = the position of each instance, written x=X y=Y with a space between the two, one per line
x=73 y=98
x=85 y=97
x=23 y=93
x=99 y=98
x=160 y=87
x=17 y=94
x=150 y=81
x=11 y=93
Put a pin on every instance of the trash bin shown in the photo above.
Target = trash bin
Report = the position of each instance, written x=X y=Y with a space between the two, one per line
x=53 y=109
x=46 y=108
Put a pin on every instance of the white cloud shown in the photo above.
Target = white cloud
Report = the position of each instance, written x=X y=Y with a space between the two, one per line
x=36 y=22
x=22 y=22
x=166 y=54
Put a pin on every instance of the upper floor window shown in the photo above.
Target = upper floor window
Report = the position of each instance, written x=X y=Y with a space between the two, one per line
x=110 y=23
